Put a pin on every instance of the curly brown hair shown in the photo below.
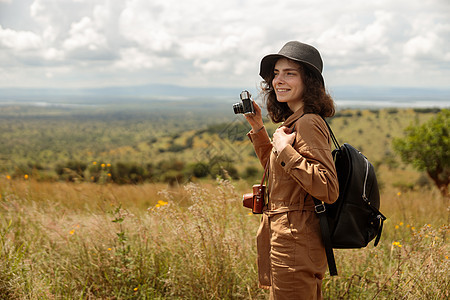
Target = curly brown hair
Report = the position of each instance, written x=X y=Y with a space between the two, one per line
x=316 y=99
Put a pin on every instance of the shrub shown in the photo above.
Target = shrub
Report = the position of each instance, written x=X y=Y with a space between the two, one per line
x=126 y=173
x=172 y=177
x=71 y=171
x=427 y=110
x=423 y=181
x=251 y=172
x=224 y=171
x=392 y=111
x=199 y=170
x=173 y=164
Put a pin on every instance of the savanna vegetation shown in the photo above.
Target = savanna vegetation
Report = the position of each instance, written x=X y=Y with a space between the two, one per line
x=427 y=147
x=107 y=203
x=139 y=143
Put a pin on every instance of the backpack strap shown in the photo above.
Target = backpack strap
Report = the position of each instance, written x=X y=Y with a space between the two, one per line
x=381 y=218
x=333 y=138
x=324 y=228
x=326 y=237
x=377 y=239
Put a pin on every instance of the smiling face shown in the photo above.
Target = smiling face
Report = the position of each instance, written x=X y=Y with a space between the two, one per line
x=288 y=84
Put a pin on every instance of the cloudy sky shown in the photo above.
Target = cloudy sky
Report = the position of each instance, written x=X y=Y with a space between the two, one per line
x=210 y=43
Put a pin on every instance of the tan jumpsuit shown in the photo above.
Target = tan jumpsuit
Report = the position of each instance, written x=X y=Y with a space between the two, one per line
x=291 y=255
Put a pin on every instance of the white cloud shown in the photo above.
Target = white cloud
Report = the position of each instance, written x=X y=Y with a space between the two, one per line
x=423 y=46
x=132 y=59
x=139 y=22
x=219 y=43
x=53 y=54
x=19 y=40
x=428 y=45
x=211 y=65
x=83 y=34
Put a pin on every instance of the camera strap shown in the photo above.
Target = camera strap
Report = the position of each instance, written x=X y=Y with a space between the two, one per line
x=266 y=169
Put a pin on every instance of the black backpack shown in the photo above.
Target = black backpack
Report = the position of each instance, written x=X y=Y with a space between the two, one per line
x=354 y=219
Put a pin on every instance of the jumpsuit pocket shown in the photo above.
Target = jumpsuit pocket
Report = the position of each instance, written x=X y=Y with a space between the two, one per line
x=305 y=230
x=316 y=249
x=282 y=241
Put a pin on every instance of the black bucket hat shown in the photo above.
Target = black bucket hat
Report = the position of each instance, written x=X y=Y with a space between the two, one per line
x=299 y=52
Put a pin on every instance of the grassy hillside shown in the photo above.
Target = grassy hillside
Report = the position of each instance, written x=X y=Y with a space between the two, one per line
x=182 y=143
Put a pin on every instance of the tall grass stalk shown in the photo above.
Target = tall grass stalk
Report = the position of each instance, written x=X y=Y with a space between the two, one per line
x=86 y=241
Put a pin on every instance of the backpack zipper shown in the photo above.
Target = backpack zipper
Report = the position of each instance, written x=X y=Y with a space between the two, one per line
x=365 y=180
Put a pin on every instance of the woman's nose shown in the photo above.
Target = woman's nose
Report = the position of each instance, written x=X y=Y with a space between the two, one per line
x=278 y=79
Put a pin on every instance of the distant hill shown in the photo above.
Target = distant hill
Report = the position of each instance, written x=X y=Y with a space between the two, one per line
x=149 y=92
x=347 y=96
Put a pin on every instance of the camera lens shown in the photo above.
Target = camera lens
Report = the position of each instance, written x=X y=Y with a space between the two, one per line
x=238 y=108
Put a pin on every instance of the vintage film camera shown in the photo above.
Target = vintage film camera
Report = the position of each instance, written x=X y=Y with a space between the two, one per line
x=255 y=200
x=246 y=107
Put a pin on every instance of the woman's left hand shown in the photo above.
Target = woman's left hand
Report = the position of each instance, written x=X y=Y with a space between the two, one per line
x=282 y=137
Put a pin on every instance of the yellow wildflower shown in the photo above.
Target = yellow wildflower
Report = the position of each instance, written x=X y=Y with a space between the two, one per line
x=109 y=249
x=162 y=203
x=109 y=174
x=135 y=289
x=401 y=223
x=397 y=244
x=94 y=163
x=396 y=227
x=446 y=257
x=72 y=232
x=8 y=177
x=103 y=165
x=25 y=176
x=399 y=194
x=108 y=165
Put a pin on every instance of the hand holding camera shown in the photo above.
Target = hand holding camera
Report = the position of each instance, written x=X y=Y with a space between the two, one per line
x=251 y=111
x=246 y=107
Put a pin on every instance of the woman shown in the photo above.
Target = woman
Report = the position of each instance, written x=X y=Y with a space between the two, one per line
x=291 y=255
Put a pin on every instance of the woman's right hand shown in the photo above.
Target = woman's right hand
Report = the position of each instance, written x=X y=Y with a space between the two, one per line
x=255 y=120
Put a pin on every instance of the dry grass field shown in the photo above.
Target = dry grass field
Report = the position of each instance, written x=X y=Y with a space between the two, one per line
x=91 y=241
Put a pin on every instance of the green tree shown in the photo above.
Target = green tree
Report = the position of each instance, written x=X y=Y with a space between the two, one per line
x=427 y=147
